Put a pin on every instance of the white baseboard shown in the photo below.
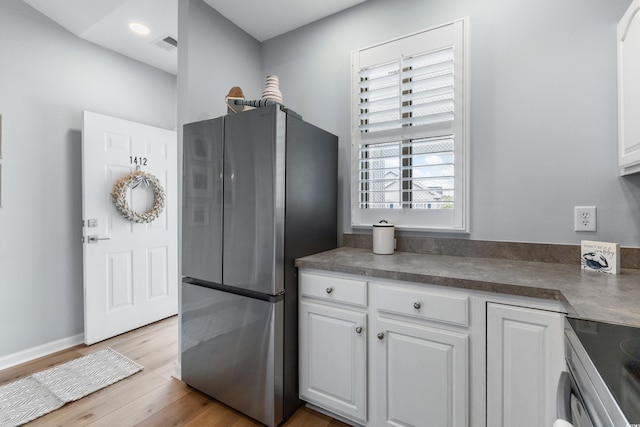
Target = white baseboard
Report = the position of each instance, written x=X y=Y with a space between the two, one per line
x=40 y=351
x=177 y=371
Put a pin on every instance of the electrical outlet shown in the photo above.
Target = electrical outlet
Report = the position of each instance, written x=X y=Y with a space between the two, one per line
x=584 y=218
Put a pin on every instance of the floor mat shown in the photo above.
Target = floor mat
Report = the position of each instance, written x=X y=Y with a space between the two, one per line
x=31 y=397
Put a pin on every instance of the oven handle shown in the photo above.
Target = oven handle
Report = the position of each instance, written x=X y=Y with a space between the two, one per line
x=563 y=401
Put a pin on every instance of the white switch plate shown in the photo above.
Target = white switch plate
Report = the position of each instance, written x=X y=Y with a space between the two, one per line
x=584 y=218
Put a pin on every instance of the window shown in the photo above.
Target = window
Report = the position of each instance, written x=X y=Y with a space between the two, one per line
x=409 y=131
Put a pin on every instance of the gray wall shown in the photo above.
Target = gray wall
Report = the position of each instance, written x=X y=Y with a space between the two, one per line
x=214 y=56
x=48 y=77
x=543 y=107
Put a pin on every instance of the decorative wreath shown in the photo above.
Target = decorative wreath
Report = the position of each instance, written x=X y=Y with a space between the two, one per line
x=132 y=180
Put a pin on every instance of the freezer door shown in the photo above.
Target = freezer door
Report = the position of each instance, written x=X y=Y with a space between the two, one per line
x=202 y=200
x=232 y=350
x=254 y=200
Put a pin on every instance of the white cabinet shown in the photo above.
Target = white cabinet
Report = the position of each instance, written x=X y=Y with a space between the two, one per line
x=333 y=342
x=421 y=366
x=333 y=359
x=390 y=353
x=628 y=34
x=525 y=355
x=421 y=376
x=411 y=363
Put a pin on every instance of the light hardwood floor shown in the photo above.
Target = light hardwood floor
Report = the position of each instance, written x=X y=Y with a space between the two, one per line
x=151 y=398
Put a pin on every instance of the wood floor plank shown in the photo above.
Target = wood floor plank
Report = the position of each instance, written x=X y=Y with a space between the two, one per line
x=178 y=412
x=137 y=410
x=157 y=354
x=305 y=417
x=167 y=369
x=218 y=415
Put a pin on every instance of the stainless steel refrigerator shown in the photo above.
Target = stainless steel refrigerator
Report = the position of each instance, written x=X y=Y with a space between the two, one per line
x=260 y=190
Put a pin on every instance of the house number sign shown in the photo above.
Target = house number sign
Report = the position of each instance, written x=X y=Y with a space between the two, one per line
x=138 y=161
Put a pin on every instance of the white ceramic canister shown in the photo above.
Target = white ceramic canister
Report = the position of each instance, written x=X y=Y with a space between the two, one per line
x=383 y=238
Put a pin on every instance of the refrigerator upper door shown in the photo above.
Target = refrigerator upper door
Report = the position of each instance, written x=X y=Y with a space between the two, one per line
x=254 y=189
x=202 y=198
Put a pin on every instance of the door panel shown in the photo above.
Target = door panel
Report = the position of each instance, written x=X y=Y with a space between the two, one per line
x=157 y=263
x=423 y=376
x=120 y=280
x=232 y=350
x=333 y=362
x=524 y=346
x=130 y=275
x=202 y=191
x=144 y=199
x=113 y=224
x=253 y=201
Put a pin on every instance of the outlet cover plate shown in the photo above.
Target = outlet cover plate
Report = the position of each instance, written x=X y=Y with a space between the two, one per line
x=584 y=218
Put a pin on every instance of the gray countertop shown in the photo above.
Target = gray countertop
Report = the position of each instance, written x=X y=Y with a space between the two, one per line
x=586 y=294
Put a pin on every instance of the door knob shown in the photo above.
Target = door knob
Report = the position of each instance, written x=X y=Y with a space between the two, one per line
x=380 y=335
x=358 y=329
x=94 y=238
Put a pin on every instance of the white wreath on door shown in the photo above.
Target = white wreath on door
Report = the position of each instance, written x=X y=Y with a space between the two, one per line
x=132 y=180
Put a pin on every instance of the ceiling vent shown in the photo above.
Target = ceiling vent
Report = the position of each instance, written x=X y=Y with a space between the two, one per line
x=167 y=42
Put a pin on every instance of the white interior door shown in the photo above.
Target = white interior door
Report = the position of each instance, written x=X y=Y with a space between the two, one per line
x=130 y=269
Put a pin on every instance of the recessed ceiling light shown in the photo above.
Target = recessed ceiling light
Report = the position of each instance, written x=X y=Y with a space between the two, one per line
x=139 y=28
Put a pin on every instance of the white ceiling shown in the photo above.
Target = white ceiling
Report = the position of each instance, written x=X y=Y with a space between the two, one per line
x=105 y=22
x=265 y=19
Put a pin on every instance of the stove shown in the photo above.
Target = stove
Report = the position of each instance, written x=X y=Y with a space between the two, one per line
x=609 y=355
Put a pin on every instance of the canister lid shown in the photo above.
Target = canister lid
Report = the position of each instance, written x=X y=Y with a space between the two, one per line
x=383 y=223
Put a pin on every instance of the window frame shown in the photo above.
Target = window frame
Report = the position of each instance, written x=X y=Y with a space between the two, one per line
x=437 y=220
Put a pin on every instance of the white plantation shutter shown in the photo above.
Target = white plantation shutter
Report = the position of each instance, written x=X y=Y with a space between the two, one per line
x=415 y=175
x=409 y=92
x=409 y=122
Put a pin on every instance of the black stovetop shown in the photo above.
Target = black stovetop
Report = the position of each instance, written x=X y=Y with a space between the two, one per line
x=615 y=352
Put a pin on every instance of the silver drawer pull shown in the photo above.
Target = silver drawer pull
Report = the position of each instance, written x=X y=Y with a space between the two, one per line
x=417 y=305
x=358 y=329
x=329 y=290
x=380 y=335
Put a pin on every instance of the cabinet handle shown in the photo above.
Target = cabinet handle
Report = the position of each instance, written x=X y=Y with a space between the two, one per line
x=380 y=335
x=329 y=290
x=358 y=329
x=417 y=305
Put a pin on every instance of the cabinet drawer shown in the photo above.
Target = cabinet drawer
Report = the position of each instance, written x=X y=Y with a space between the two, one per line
x=338 y=289
x=424 y=305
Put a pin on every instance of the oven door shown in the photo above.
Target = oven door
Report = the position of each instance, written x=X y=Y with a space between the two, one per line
x=596 y=401
x=571 y=409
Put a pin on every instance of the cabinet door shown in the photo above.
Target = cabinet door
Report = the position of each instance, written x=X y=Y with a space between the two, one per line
x=333 y=362
x=525 y=356
x=422 y=376
x=629 y=90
